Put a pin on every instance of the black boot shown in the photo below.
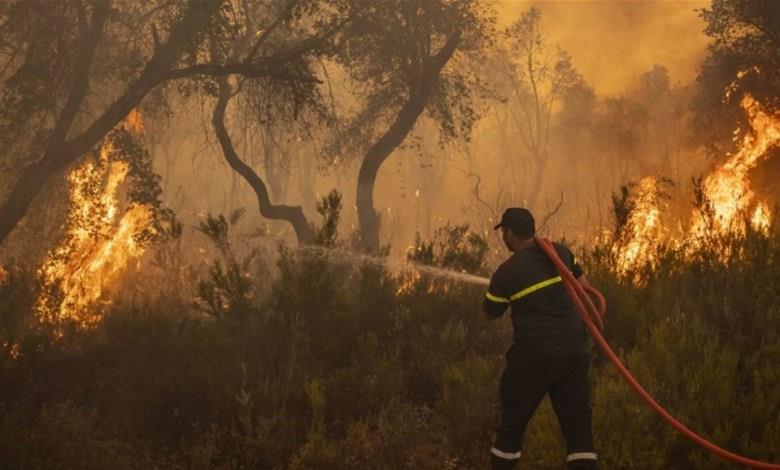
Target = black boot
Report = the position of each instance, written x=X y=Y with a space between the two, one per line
x=582 y=464
x=497 y=463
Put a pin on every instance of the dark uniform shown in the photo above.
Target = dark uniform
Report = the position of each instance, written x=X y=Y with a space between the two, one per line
x=548 y=356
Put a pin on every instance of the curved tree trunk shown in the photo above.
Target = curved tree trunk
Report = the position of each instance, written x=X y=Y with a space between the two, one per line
x=368 y=217
x=376 y=155
x=292 y=214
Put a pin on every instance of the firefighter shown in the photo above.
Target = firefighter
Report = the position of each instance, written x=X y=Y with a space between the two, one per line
x=549 y=351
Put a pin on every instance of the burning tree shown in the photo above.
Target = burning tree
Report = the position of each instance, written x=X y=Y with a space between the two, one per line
x=72 y=71
x=745 y=34
x=639 y=229
x=726 y=197
x=725 y=203
x=103 y=235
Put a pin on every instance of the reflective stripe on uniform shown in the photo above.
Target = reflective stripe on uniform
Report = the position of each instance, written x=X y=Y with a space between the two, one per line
x=505 y=455
x=581 y=456
x=496 y=298
x=535 y=287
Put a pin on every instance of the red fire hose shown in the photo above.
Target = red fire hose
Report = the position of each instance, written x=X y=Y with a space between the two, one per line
x=592 y=316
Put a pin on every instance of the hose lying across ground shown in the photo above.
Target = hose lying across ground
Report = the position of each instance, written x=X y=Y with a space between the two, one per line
x=593 y=317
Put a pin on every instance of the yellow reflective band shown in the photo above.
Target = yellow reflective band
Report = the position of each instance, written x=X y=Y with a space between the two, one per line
x=535 y=287
x=494 y=298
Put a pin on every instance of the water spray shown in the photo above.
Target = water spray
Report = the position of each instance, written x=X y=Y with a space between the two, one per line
x=396 y=265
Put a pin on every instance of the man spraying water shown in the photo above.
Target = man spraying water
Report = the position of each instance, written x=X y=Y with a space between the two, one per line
x=548 y=354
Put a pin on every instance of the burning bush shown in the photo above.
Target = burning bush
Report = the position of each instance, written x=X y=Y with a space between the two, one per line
x=103 y=236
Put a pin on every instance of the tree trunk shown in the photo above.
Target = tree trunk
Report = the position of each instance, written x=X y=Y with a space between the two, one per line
x=376 y=155
x=292 y=214
x=368 y=217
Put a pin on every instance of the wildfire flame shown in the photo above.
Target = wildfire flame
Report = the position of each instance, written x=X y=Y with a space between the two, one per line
x=643 y=227
x=134 y=122
x=727 y=189
x=726 y=192
x=100 y=242
x=762 y=218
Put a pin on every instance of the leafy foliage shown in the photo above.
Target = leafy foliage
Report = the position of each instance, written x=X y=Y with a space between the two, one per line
x=329 y=207
x=144 y=186
x=745 y=41
x=388 y=51
x=453 y=247
x=228 y=288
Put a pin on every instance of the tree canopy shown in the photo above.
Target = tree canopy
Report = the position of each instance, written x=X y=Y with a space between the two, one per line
x=745 y=41
x=72 y=70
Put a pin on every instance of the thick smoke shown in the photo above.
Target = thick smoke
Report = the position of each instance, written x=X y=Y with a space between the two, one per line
x=613 y=42
x=424 y=185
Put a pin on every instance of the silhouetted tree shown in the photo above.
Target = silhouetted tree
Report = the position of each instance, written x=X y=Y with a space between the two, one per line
x=619 y=129
x=70 y=71
x=292 y=214
x=536 y=77
x=270 y=108
x=398 y=58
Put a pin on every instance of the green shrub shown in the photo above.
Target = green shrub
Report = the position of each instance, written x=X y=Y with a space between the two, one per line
x=453 y=247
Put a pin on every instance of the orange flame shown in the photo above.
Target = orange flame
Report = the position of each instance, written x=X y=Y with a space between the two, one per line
x=99 y=244
x=761 y=219
x=726 y=192
x=134 y=122
x=727 y=189
x=638 y=245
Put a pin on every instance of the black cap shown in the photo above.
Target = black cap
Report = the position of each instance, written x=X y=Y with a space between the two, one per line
x=519 y=220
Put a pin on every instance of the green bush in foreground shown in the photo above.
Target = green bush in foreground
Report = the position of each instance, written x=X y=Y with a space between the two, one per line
x=351 y=367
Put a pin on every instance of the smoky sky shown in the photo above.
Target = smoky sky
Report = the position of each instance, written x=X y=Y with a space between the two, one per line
x=614 y=42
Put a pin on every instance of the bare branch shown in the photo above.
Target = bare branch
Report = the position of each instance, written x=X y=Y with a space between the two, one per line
x=552 y=213
x=272 y=69
x=475 y=191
